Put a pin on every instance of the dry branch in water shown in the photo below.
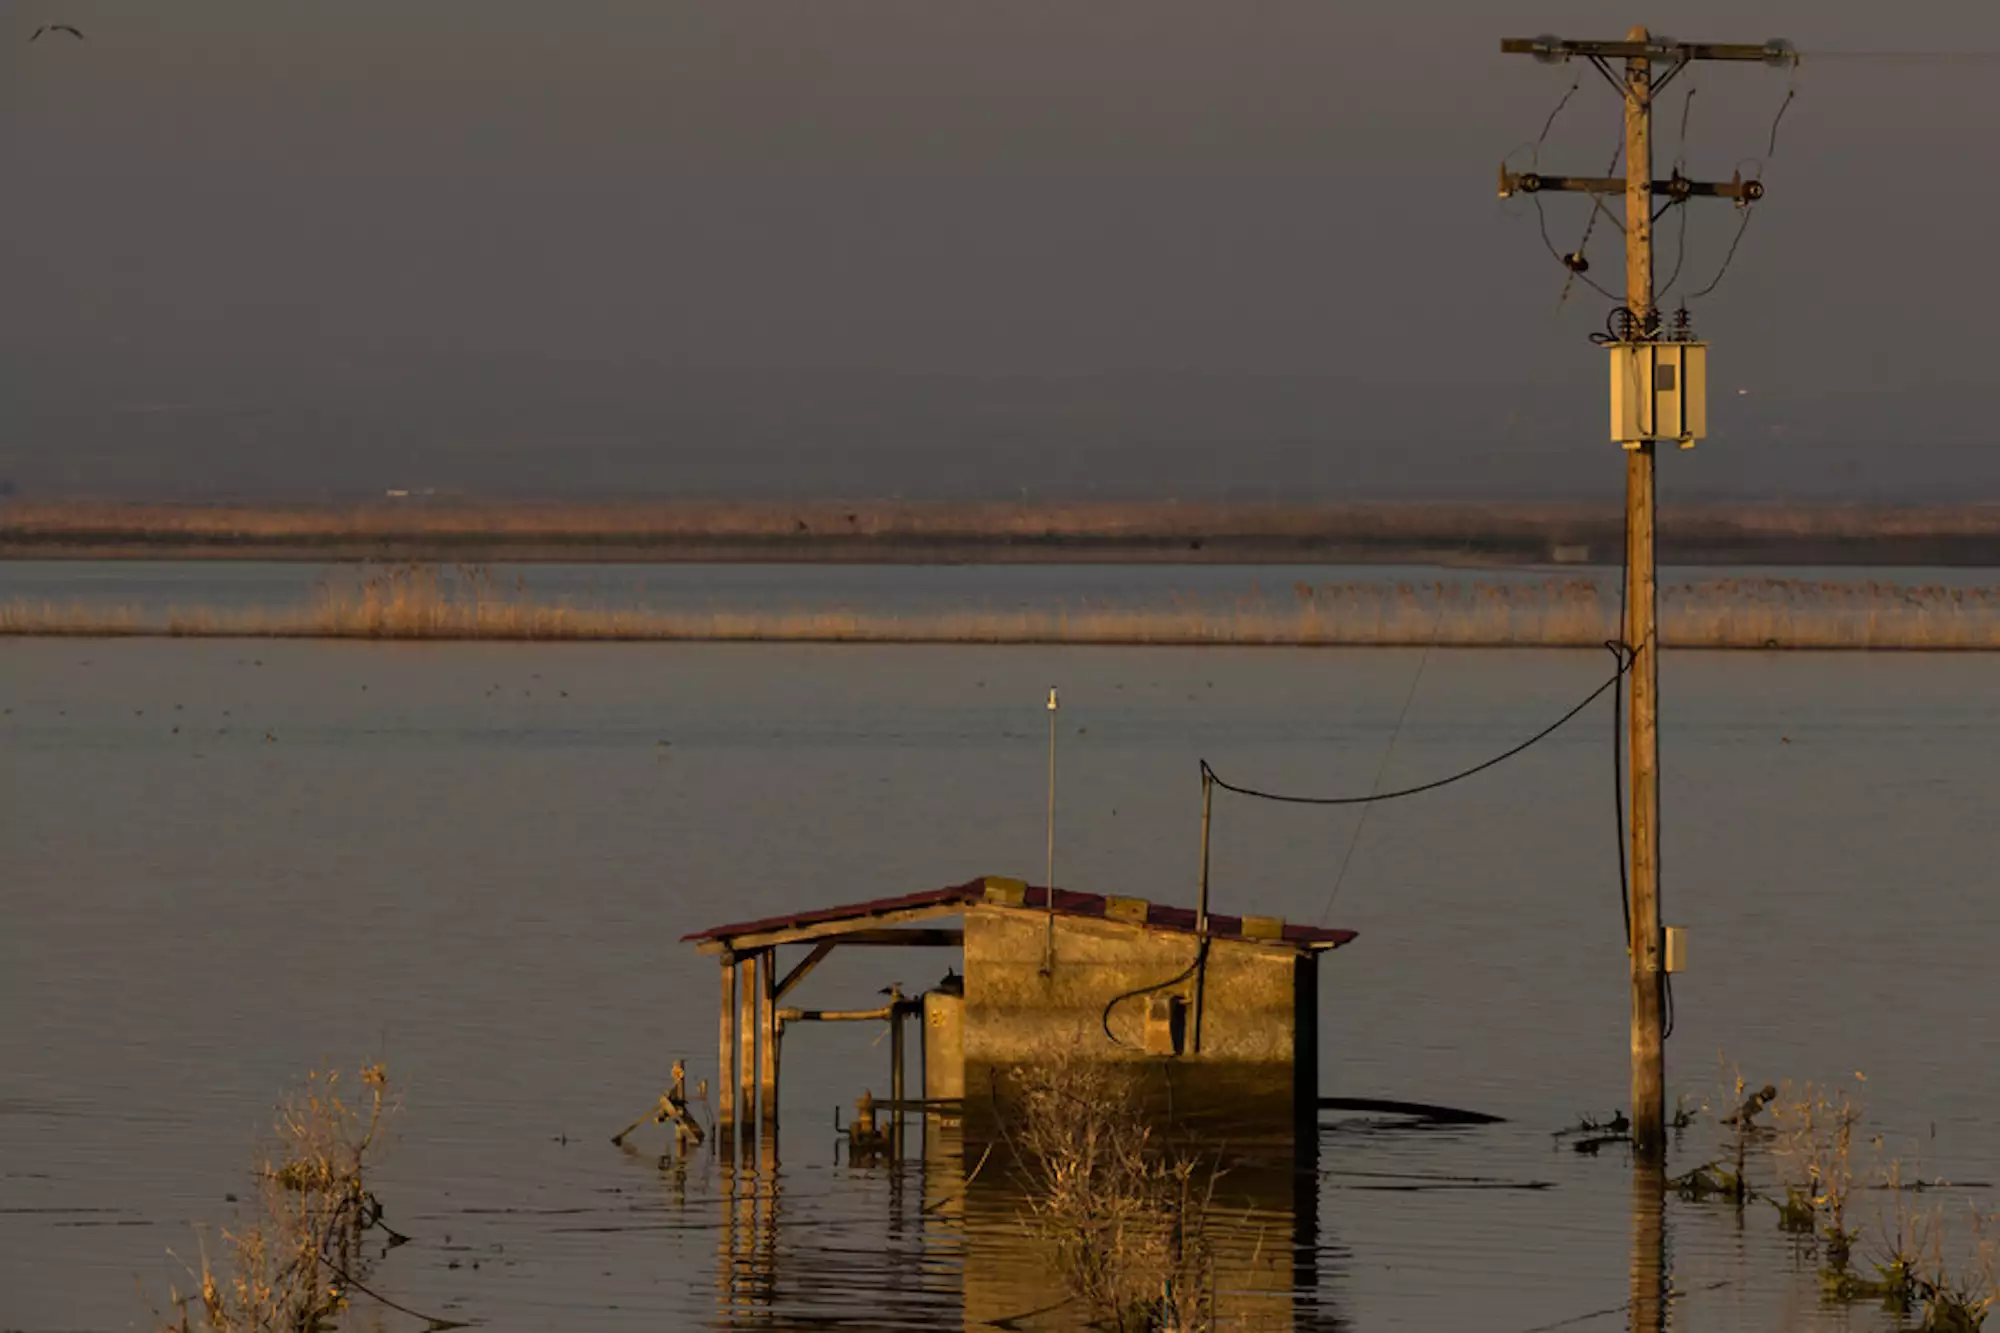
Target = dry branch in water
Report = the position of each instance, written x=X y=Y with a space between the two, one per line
x=1124 y=1217
x=291 y=1262
x=1948 y=1281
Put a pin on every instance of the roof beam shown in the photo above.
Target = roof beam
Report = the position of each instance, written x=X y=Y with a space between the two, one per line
x=863 y=931
x=805 y=965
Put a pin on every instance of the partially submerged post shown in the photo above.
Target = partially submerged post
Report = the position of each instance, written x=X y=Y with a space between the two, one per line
x=746 y=1040
x=769 y=1031
x=725 y=1083
x=896 y=1015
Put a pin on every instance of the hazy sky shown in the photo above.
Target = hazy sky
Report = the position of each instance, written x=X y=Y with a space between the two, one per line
x=867 y=247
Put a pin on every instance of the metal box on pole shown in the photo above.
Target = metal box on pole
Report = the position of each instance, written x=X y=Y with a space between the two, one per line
x=1659 y=391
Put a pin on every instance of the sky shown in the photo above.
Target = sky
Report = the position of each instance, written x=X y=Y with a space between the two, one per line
x=316 y=249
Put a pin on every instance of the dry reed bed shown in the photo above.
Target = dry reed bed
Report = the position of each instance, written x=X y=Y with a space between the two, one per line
x=419 y=602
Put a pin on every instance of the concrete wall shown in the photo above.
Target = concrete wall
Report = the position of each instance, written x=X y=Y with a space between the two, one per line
x=1252 y=1077
x=944 y=1046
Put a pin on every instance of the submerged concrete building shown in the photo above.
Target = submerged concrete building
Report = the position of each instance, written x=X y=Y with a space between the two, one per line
x=1215 y=1019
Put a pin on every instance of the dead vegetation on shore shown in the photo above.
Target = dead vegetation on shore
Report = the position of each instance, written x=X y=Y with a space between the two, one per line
x=428 y=602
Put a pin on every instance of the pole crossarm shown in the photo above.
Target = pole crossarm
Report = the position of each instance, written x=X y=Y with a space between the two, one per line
x=1553 y=49
x=1674 y=187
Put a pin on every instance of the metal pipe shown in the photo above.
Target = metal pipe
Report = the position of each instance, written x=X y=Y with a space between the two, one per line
x=1201 y=901
x=886 y=1012
x=896 y=1010
x=1049 y=945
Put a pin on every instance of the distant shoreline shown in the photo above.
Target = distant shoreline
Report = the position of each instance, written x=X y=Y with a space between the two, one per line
x=895 y=532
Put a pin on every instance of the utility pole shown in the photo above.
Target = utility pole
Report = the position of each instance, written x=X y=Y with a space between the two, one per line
x=1658 y=392
x=1649 y=1062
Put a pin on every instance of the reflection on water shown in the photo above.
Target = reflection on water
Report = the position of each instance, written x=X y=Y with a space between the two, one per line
x=1650 y=1278
x=954 y=1239
x=947 y=1245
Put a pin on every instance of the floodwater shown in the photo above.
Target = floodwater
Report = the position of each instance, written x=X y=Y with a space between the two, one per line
x=229 y=862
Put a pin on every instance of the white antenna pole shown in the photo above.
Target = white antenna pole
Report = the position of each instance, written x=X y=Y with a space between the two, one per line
x=1049 y=948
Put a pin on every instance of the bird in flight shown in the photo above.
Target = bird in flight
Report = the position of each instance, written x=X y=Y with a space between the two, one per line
x=55 y=27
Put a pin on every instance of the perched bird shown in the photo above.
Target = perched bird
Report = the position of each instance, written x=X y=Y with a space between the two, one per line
x=1752 y=1104
x=55 y=27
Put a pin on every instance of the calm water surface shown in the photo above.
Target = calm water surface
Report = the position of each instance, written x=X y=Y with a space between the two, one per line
x=228 y=862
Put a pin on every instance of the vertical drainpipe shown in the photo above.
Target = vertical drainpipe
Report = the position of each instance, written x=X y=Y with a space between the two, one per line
x=1201 y=915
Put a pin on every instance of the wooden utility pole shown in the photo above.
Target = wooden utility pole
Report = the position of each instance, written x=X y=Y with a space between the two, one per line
x=1642 y=633
x=1669 y=391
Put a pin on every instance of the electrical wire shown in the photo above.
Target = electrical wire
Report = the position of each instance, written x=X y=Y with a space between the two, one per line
x=1680 y=205
x=1618 y=784
x=1680 y=252
x=1382 y=769
x=1104 y=1019
x=1784 y=106
x=1590 y=225
x=1949 y=56
x=1624 y=652
x=1667 y=993
x=1550 y=123
x=1625 y=656
x=1687 y=106
x=1749 y=211
x=1542 y=218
